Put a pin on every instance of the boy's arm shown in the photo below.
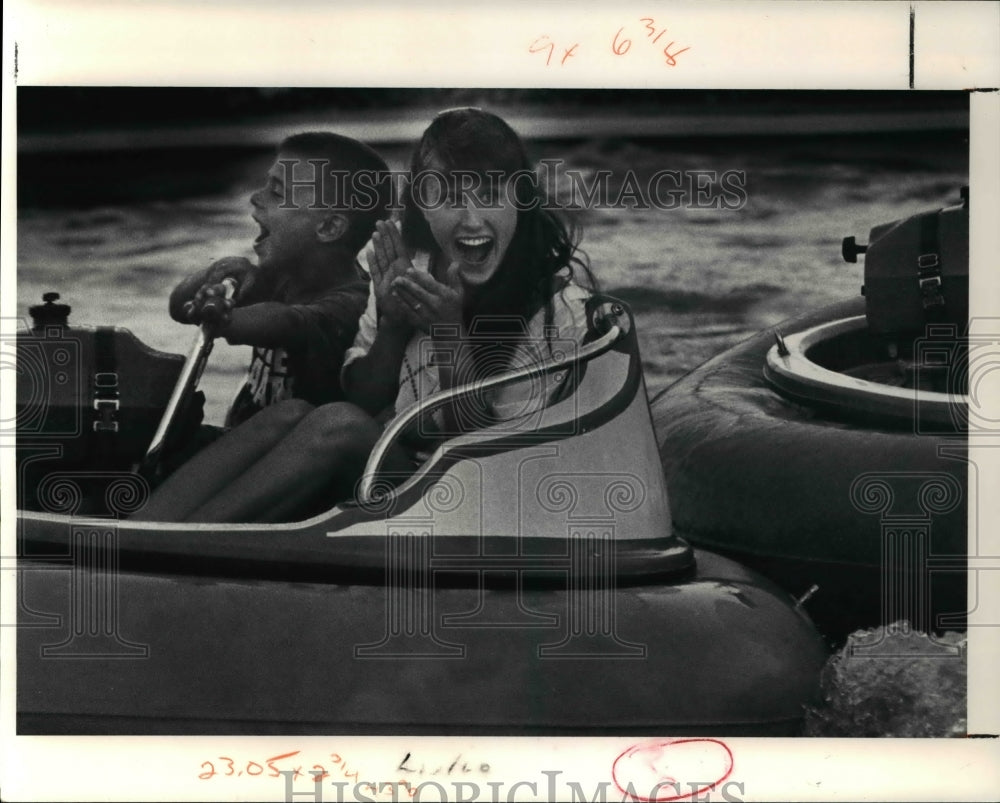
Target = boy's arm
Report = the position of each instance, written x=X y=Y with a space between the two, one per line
x=269 y=324
x=317 y=328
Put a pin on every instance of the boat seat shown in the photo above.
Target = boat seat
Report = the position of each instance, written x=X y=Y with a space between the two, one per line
x=599 y=434
x=88 y=402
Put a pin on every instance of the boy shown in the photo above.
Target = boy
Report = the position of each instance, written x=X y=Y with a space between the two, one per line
x=299 y=306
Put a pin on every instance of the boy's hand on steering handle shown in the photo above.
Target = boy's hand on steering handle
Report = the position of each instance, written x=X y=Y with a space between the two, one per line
x=241 y=272
x=213 y=304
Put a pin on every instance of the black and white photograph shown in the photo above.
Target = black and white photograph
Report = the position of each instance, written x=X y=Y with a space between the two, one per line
x=497 y=441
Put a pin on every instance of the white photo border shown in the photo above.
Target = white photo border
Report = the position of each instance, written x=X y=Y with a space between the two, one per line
x=768 y=45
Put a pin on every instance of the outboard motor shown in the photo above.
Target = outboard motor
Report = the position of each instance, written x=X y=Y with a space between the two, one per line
x=916 y=272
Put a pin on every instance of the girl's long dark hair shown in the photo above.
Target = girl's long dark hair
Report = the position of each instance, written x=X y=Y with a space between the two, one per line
x=542 y=245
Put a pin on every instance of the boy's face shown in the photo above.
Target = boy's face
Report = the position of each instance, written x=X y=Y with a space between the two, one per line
x=283 y=208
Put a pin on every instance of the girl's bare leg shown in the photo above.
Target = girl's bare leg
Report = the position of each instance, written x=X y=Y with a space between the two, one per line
x=221 y=462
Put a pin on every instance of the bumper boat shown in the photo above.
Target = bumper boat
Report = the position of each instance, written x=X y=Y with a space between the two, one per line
x=525 y=580
x=830 y=453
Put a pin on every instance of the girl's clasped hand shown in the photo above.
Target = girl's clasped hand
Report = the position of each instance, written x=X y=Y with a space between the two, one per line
x=405 y=296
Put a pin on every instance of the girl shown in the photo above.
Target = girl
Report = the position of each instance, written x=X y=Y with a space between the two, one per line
x=479 y=277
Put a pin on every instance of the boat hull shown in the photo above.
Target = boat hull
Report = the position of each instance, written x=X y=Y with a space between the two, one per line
x=523 y=580
x=721 y=651
x=875 y=516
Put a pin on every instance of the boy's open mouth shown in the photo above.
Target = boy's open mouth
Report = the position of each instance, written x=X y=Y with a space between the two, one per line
x=474 y=250
x=264 y=232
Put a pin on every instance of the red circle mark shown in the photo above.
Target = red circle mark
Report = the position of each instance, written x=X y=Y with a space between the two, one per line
x=660 y=769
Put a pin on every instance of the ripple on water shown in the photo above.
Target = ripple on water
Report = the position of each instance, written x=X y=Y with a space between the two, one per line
x=94 y=219
x=160 y=247
x=79 y=241
x=646 y=299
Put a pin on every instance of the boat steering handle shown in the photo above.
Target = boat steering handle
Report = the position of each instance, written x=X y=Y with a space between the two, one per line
x=436 y=400
x=186 y=384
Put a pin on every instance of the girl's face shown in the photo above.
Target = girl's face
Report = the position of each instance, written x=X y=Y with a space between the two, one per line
x=473 y=226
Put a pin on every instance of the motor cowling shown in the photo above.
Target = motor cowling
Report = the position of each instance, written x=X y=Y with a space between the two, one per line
x=916 y=271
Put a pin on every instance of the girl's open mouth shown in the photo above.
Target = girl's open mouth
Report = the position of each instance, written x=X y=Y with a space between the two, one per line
x=474 y=250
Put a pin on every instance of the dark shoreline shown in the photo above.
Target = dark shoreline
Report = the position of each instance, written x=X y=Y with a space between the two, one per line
x=143 y=172
x=57 y=109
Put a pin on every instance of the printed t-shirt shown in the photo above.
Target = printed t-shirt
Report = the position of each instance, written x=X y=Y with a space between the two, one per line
x=308 y=367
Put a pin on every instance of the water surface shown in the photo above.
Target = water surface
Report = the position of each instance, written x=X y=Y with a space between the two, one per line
x=699 y=280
